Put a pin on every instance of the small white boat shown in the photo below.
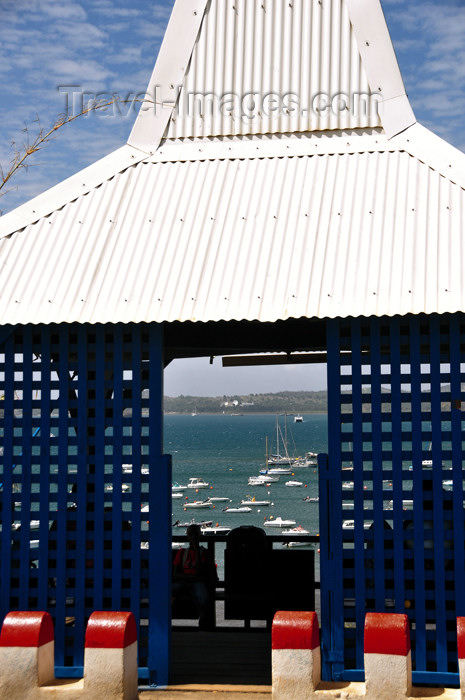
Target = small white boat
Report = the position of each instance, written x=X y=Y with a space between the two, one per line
x=197 y=483
x=238 y=509
x=293 y=482
x=350 y=525
x=254 y=502
x=276 y=471
x=279 y=522
x=215 y=530
x=303 y=463
x=177 y=494
x=298 y=530
x=177 y=487
x=218 y=499
x=264 y=479
x=202 y=523
x=298 y=419
x=310 y=460
x=311 y=499
x=298 y=544
x=256 y=481
x=198 y=504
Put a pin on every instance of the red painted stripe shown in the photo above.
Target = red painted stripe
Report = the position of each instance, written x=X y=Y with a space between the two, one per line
x=387 y=633
x=26 y=629
x=461 y=637
x=295 y=630
x=111 y=630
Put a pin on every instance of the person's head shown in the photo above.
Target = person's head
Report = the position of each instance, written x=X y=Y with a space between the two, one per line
x=193 y=534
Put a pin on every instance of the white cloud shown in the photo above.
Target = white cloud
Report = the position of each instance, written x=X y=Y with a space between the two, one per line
x=63 y=10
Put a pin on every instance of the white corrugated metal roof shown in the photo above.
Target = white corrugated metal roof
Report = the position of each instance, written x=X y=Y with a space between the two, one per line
x=209 y=225
x=368 y=233
x=270 y=67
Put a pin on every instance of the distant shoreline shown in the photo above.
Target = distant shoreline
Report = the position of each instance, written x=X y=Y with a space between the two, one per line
x=290 y=403
x=248 y=413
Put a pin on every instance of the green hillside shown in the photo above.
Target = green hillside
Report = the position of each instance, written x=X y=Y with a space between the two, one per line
x=282 y=402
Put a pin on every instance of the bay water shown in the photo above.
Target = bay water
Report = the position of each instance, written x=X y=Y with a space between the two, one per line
x=225 y=450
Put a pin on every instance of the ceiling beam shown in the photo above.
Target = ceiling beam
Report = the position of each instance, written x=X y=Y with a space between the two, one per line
x=302 y=358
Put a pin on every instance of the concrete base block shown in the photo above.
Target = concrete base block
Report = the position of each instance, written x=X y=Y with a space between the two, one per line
x=24 y=669
x=111 y=674
x=295 y=672
x=388 y=676
x=462 y=678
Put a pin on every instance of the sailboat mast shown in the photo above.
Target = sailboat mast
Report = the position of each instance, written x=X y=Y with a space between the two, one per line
x=277 y=435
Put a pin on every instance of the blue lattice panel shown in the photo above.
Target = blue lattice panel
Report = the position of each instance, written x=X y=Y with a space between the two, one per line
x=84 y=487
x=394 y=487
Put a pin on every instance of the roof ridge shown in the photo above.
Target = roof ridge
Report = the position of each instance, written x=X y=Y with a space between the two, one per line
x=271 y=66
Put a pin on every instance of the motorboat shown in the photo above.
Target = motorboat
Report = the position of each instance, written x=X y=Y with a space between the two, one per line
x=196 y=482
x=263 y=479
x=237 y=509
x=198 y=504
x=252 y=501
x=219 y=499
x=298 y=530
x=276 y=471
x=311 y=499
x=256 y=481
x=350 y=525
x=202 y=523
x=298 y=419
x=177 y=494
x=310 y=460
x=297 y=544
x=303 y=463
x=279 y=522
x=178 y=487
x=215 y=530
x=293 y=482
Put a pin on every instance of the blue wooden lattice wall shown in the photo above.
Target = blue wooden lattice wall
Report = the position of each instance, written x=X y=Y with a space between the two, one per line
x=85 y=489
x=392 y=489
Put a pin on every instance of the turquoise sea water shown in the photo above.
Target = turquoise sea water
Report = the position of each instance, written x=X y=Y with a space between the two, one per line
x=225 y=450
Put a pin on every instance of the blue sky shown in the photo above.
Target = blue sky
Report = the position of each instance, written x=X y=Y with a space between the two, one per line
x=109 y=47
